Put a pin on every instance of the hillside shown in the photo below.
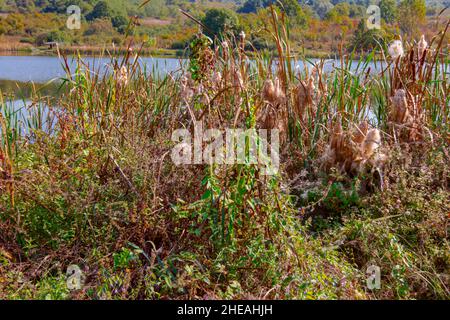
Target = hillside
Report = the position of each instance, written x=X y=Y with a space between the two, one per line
x=166 y=7
x=317 y=27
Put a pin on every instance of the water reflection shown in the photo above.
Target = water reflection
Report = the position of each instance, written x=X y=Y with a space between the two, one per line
x=24 y=117
x=25 y=90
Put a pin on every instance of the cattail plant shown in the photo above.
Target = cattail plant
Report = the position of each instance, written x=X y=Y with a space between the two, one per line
x=406 y=119
x=353 y=151
x=410 y=82
x=7 y=151
x=273 y=114
x=304 y=99
x=122 y=76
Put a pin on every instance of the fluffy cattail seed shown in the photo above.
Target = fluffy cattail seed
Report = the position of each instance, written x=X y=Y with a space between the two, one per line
x=400 y=110
x=396 y=49
x=268 y=91
x=122 y=77
x=371 y=143
x=242 y=36
x=422 y=46
x=279 y=94
x=216 y=79
x=360 y=132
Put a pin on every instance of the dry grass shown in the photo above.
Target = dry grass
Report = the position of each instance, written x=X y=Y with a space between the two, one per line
x=13 y=44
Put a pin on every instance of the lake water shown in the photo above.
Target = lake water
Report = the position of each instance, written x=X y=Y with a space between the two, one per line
x=42 y=69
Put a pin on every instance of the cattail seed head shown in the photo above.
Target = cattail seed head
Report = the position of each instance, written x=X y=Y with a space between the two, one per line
x=352 y=151
x=371 y=143
x=238 y=81
x=311 y=88
x=272 y=92
x=186 y=88
x=268 y=91
x=216 y=79
x=400 y=110
x=360 y=132
x=422 y=46
x=242 y=35
x=279 y=94
x=396 y=49
x=122 y=76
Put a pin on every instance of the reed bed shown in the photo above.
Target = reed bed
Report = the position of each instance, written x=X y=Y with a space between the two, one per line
x=364 y=178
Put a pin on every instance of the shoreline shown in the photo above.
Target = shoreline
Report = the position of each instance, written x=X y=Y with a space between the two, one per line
x=157 y=53
x=33 y=51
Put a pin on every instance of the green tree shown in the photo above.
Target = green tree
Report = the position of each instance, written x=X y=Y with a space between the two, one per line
x=13 y=24
x=339 y=13
x=54 y=35
x=25 y=6
x=102 y=28
x=388 y=10
x=411 y=13
x=294 y=11
x=60 y=6
x=340 y=10
x=120 y=23
x=156 y=8
x=2 y=5
x=322 y=7
x=254 y=5
x=365 y=40
x=219 y=21
x=101 y=10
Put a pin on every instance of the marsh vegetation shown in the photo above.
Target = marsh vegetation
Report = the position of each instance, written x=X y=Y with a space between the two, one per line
x=364 y=178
